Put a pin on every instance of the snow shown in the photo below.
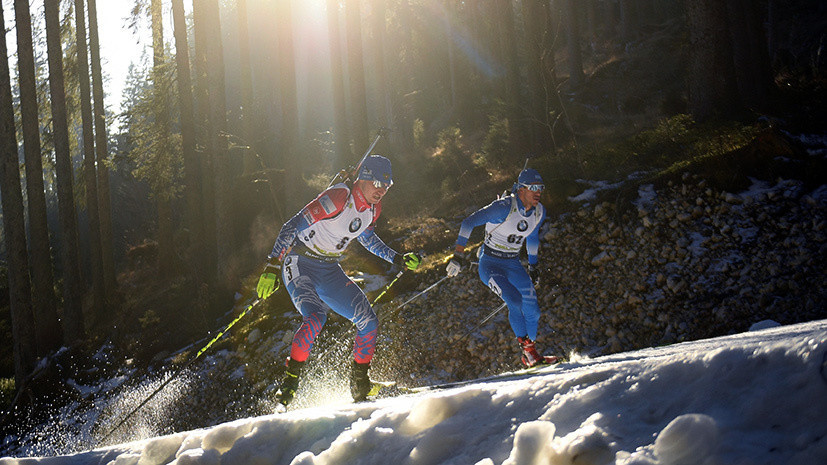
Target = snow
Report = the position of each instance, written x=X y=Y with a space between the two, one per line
x=595 y=187
x=759 y=397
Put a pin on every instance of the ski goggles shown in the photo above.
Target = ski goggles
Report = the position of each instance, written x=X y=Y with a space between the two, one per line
x=533 y=187
x=382 y=185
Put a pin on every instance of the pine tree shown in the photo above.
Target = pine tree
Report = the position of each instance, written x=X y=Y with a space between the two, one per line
x=44 y=300
x=74 y=325
x=102 y=156
x=20 y=297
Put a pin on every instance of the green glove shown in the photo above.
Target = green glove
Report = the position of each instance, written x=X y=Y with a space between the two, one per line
x=269 y=281
x=410 y=260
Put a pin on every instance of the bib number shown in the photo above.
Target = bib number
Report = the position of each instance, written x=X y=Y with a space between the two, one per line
x=291 y=269
x=494 y=287
x=343 y=243
x=515 y=239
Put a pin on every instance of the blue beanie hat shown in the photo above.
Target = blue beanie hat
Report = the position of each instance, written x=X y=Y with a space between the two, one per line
x=529 y=176
x=376 y=168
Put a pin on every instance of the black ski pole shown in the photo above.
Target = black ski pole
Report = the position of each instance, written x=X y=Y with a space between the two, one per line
x=420 y=293
x=182 y=368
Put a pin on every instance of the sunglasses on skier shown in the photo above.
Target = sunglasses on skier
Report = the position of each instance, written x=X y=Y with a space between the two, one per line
x=382 y=185
x=534 y=187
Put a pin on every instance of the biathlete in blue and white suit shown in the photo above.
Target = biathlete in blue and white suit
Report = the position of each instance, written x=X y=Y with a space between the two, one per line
x=509 y=223
x=307 y=251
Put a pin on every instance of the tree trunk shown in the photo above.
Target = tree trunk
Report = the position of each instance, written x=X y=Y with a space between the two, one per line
x=575 y=60
x=73 y=324
x=246 y=83
x=166 y=247
x=289 y=100
x=102 y=155
x=541 y=84
x=192 y=171
x=753 y=72
x=47 y=325
x=508 y=56
x=250 y=159
x=224 y=177
x=89 y=173
x=458 y=64
x=712 y=87
x=202 y=110
x=773 y=10
x=20 y=294
x=341 y=138
x=385 y=110
x=356 y=73
x=629 y=20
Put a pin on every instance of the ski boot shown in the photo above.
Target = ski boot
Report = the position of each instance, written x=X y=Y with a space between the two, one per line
x=530 y=356
x=291 y=382
x=360 y=384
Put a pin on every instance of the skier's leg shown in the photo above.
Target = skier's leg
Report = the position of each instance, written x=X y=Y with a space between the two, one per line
x=300 y=278
x=529 y=309
x=348 y=300
x=495 y=275
x=530 y=312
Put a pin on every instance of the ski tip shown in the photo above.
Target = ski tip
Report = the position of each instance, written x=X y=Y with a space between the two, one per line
x=378 y=386
x=548 y=360
x=552 y=360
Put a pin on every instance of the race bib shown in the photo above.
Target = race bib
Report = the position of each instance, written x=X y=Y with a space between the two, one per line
x=291 y=269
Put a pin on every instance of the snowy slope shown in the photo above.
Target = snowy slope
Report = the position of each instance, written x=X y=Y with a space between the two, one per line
x=753 y=398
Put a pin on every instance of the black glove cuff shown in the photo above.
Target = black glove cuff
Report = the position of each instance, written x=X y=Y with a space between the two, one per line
x=460 y=258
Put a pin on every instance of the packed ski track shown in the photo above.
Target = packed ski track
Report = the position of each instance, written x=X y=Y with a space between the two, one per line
x=759 y=397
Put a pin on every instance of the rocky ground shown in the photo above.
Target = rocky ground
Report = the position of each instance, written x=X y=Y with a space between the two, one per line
x=680 y=261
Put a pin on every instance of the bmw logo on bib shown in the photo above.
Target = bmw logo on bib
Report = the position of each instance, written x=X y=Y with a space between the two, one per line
x=522 y=226
x=355 y=225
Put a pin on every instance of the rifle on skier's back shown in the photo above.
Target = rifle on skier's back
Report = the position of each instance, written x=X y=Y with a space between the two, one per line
x=349 y=173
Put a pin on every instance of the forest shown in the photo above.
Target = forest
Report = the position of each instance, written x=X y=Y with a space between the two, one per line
x=137 y=224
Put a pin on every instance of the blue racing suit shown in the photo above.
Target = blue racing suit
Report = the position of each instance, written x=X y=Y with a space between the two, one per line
x=508 y=225
x=309 y=246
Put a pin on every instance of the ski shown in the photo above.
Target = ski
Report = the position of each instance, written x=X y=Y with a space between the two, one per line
x=516 y=374
x=378 y=388
x=547 y=360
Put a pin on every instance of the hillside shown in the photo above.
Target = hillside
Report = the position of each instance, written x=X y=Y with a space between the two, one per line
x=670 y=259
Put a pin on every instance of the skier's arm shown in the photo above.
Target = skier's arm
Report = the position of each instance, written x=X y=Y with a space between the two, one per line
x=376 y=246
x=532 y=242
x=287 y=234
x=496 y=212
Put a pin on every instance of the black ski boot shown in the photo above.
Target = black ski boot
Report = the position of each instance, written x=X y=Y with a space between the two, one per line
x=359 y=381
x=291 y=382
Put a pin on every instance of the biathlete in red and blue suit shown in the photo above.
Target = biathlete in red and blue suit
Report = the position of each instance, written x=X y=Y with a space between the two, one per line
x=308 y=249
